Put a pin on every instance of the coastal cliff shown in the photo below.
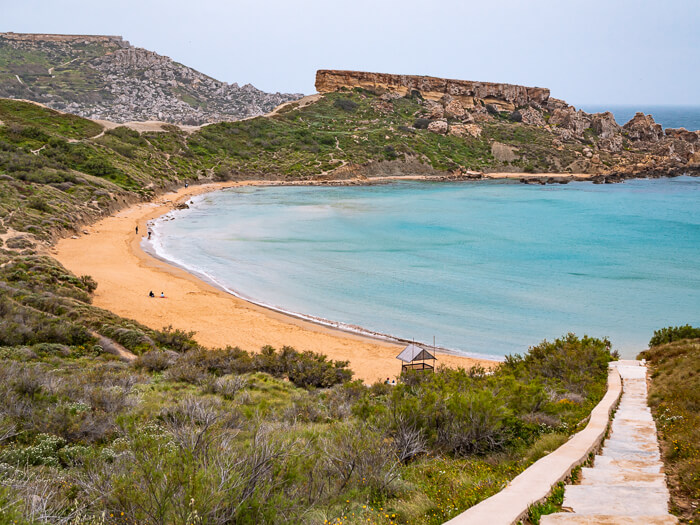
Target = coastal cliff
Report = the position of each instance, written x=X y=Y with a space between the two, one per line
x=524 y=128
x=467 y=93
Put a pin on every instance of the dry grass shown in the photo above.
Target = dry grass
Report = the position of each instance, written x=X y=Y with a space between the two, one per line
x=675 y=402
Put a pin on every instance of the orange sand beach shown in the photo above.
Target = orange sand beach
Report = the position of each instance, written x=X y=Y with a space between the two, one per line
x=110 y=252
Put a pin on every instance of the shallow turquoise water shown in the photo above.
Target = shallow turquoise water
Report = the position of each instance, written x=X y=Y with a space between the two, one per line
x=487 y=267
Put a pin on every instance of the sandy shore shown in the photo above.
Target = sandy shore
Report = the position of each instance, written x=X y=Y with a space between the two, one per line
x=110 y=252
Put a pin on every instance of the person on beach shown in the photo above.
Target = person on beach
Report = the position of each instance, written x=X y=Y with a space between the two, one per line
x=149 y=235
x=137 y=229
x=151 y=294
x=186 y=184
x=162 y=295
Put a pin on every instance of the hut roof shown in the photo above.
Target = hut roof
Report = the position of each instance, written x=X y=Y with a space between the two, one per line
x=414 y=353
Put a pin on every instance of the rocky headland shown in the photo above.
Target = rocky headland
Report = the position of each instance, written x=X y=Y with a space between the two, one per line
x=600 y=146
x=105 y=77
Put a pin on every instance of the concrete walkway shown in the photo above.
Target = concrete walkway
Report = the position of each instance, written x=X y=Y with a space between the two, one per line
x=511 y=504
x=626 y=484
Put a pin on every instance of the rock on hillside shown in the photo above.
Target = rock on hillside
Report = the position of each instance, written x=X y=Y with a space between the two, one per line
x=104 y=77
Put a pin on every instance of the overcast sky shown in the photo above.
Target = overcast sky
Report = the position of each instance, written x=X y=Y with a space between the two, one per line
x=587 y=52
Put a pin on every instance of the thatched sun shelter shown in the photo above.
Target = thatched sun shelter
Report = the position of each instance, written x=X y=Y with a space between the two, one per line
x=414 y=358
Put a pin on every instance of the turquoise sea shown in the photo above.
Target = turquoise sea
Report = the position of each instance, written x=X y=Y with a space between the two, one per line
x=485 y=267
x=687 y=117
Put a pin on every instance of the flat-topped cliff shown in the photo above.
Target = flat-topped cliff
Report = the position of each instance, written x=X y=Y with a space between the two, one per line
x=468 y=93
x=71 y=39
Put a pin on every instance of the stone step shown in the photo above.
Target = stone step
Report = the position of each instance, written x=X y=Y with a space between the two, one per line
x=613 y=476
x=625 y=452
x=622 y=446
x=623 y=430
x=639 y=465
x=616 y=500
x=567 y=518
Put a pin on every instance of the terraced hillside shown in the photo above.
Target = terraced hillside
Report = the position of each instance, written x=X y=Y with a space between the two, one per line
x=104 y=77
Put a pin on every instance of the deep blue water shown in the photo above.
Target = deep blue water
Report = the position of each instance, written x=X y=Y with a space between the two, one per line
x=486 y=267
x=687 y=117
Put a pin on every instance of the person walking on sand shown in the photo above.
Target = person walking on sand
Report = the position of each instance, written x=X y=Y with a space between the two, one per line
x=137 y=229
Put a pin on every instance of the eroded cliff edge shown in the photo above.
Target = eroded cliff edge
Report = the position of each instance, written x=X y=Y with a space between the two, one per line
x=469 y=109
x=466 y=92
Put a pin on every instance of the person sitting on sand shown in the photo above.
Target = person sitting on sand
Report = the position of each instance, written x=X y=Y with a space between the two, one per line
x=151 y=294
x=162 y=295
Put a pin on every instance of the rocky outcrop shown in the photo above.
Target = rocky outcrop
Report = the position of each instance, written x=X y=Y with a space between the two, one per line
x=604 y=125
x=568 y=118
x=643 y=127
x=506 y=97
x=104 y=77
x=683 y=134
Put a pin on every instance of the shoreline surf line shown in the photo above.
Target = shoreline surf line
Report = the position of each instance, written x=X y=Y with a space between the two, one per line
x=329 y=323
x=111 y=253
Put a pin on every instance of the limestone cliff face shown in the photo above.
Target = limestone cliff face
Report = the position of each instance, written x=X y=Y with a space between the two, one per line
x=468 y=93
x=112 y=40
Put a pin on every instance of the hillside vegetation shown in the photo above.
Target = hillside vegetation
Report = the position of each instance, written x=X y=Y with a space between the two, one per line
x=58 y=171
x=674 y=396
x=185 y=434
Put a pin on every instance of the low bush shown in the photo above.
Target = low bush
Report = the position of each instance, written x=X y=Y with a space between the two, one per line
x=421 y=123
x=673 y=333
x=345 y=104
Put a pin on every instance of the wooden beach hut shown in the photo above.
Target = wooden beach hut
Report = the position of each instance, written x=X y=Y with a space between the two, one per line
x=414 y=357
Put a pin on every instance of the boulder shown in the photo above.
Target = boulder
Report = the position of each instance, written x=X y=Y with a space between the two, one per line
x=503 y=152
x=465 y=130
x=438 y=126
x=435 y=110
x=453 y=109
x=532 y=116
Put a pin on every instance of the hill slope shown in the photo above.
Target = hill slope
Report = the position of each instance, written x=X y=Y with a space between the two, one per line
x=104 y=77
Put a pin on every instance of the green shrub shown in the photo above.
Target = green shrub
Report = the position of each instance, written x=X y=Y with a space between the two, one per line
x=673 y=333
x=421 y=123
x=571 y=362
x=44 y=452
x=345 y=104
x=175 y=339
